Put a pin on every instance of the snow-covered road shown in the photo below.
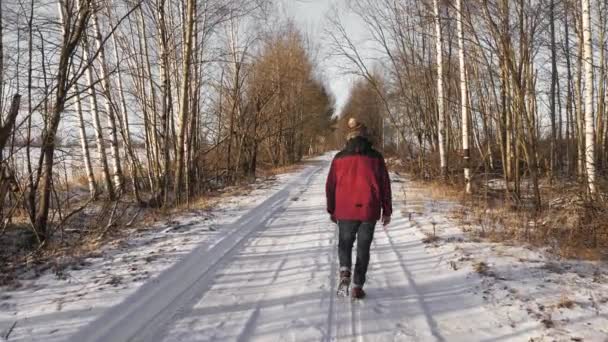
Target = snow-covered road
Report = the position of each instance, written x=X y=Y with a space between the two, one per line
x=273 y=278
x=262 y=266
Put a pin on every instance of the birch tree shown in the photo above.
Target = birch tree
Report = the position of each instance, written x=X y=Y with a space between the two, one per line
x=184 y=98
x=73 y=29
x=94 y=111
x=464 y=103
x=589 y=117
x=84 y=144
x=111 y=116
x=440 y=92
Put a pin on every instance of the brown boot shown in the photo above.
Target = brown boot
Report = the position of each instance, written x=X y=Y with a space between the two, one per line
x=357 y=293
x=345 y=277
x=344 y=284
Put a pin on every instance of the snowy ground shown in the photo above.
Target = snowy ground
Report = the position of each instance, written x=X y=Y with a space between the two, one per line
x=543 y=297
x=263 y=268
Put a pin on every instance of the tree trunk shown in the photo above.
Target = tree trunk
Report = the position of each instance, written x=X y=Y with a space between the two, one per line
x=464 y=101
x=440 y=95
x=71 y=39
x=123 y=119
x=84 y=144
x=7 y=126
x=101 y=148
x=589 y=121
x=165 y=98
x=105 y=84
x=569 y=100
x=28 y=153
x=184 y=98
x=601 y=103
x=552 y=90
x=153 y=132
x=580 y=122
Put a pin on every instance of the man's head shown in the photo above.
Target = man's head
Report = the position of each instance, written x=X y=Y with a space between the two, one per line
x=355 y=129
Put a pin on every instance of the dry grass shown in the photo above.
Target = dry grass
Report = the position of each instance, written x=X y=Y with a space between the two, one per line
x=88 y=231
x=430 y=238
x=481 y=268
x=441 y=191
x=266 y=171
x=548 y=322
x=565 y=303
x=572 y=226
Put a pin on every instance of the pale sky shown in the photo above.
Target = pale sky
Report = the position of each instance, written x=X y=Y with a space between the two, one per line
x=310 y=15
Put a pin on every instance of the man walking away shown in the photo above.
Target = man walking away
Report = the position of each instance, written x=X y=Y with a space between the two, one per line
x=358 y=192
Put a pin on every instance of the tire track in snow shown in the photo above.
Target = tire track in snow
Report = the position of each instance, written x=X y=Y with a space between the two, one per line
x=345 y=320
x=147 y=312
x=333 y=285
x=250 y=325
x=274 y=287
x=386 y=281
x=355 y=320
x=430 y=321
x=340 y=330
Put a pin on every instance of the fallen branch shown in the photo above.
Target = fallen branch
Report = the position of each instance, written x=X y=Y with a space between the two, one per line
x=74 y=212
x=134 y=217
x=9 y=331
x=110 y=223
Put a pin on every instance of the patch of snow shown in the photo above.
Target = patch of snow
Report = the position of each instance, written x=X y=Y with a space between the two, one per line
x=52 y=307
x=544 y=297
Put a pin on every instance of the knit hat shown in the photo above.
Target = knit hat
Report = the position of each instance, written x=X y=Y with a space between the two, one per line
x=355 y=129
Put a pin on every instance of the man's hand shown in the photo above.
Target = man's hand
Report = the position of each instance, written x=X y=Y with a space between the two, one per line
x=333 y=219
x=386 y=220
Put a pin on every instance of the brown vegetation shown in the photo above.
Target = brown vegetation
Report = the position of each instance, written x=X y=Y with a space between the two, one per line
x=170 y=101
x=515 y=92
x=570 y=225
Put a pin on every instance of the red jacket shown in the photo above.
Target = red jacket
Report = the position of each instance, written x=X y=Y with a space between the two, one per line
x=358 y=187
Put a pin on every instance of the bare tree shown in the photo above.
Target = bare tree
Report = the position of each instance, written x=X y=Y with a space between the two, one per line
x=466 y=154
x=440 y=91
x=106 y=86
x=94 y=110
x=590 y=167
x=74 y=26
x=85 y=146
x=184 y=97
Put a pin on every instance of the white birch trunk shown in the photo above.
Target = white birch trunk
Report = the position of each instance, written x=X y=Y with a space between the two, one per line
x=154 y=114
x=101 y=150
x=105 y=83
x=85 y=146
x=184 y=98
x=83 y=133
x=440 y=97
x=165 y=94
x=589 y=121
x=464 y=101
x=124 y=117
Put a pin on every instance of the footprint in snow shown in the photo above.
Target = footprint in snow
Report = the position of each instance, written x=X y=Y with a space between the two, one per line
x=378 y=310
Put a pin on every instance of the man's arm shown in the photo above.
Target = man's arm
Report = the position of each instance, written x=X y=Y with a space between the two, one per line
x=387 y=197
x=330 y=191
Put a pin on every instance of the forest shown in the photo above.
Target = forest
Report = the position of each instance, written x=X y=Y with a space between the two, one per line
x=504 y=101
x=168 y=170
x=151 y=103
x=118 y=104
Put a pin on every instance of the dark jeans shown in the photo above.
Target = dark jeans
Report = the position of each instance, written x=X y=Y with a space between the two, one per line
x=364 y=233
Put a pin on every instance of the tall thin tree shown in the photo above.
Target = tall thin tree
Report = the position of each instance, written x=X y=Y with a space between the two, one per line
x=440 y=92
x=185 y=100
x=589 y=121
x=464 y=99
